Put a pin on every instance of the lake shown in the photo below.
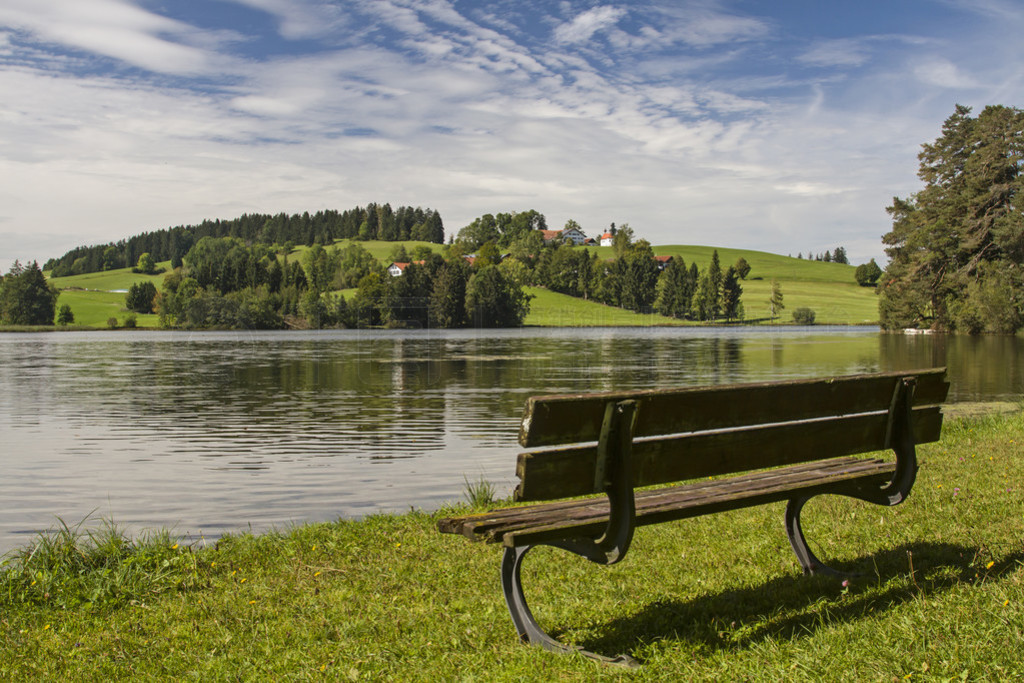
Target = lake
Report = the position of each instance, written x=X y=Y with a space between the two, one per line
x=205 y=433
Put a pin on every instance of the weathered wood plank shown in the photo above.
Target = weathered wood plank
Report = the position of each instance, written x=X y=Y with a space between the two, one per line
x=567 y=472
x=597 y=507
x=535 y=523
x=573 y=418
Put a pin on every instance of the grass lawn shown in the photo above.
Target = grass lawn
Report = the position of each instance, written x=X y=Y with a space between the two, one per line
x=941 y=596
x=551 y=309
x=93 y=309
x=111 y=280
x=833 y=303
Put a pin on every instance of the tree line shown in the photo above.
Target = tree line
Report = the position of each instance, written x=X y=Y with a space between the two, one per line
x=634 y=279
x=373 y=222
x=226 y=283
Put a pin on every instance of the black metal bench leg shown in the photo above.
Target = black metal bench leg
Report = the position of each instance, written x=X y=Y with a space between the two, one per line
x=810 y=563
x=529 y=631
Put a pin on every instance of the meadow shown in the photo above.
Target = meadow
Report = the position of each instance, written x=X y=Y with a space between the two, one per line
x=940 y=595
x=828 y=289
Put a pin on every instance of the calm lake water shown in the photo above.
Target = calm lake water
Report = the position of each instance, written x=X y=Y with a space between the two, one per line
x=206 y=433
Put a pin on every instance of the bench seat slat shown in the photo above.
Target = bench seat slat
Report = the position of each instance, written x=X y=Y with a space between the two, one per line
x=566 y=472
x=536 y=523
x=573 y=418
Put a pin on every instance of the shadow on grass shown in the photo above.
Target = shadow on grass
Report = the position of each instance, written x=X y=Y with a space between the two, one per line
x=796 y=606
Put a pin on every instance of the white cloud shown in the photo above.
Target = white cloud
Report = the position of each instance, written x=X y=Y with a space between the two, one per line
x=298 y=19
x=840 y=52
x=702 y=24
x=583 y=26
x=942 y=73
x=112 y=28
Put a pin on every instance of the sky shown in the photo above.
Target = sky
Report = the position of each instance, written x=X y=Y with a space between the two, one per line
x=785 y=126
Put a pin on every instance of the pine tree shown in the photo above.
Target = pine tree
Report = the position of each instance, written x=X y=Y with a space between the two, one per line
x=969 y=214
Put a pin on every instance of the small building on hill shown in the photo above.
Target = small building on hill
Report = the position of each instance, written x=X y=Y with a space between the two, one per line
x=549 y=236
x=575 y=235
x=606 y=239
x=397 y=268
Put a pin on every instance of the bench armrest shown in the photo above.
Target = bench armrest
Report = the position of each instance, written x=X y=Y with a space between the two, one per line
x=614 y=474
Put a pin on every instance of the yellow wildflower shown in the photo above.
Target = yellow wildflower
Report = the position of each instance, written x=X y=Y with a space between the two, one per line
x=990 y=565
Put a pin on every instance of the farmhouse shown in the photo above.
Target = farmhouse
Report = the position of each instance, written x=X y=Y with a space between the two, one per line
x=397 y=268
x=574 y=235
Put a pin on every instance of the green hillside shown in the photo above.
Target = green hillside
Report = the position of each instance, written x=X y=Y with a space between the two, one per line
x=829 y=289
x=551 y=309
x=94 y=308
x=118 y=280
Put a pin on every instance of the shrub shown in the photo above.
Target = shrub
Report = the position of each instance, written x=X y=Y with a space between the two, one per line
x=65 y=316
x=112 y=322
x=803 y=316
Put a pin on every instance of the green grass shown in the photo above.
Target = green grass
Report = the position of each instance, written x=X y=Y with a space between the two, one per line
x=551 y=309
x=715 y=598
x=763 y=265
x=829 y=289
x=110 y=280
x=93 y=309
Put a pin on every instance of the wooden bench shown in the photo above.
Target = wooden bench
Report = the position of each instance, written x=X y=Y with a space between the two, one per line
x=734 y=446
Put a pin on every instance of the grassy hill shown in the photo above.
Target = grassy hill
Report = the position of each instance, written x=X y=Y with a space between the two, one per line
x=829 y=289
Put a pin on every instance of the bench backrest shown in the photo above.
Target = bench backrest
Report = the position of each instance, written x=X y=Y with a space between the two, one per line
x=699 y=432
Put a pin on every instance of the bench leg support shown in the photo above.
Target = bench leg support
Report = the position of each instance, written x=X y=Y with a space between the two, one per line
x=529 y=630
x=807 y=559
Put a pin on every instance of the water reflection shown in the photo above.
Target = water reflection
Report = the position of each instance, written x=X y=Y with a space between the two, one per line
x=211 y=432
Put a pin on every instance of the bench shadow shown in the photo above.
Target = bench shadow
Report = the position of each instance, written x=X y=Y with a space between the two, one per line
x=794 y=606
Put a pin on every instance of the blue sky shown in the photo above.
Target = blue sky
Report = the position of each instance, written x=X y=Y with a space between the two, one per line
x=786 y=126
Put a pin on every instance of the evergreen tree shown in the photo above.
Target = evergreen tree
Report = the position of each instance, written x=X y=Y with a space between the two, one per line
x=775 y=304
x=494 y=301
x=639 y=276
x=447 y=303
x=705 y=299
x=732 y=307
x=674 y=291
x=65 y=316
x=965 y=226
x=742 y=268
x=26 y=298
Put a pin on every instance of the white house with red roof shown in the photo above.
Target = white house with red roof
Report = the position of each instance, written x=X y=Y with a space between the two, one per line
x=397 y=268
